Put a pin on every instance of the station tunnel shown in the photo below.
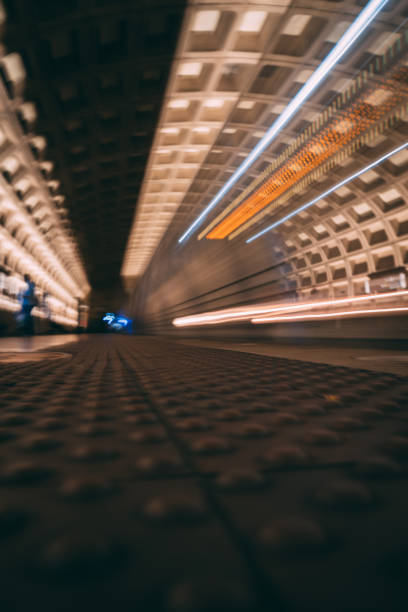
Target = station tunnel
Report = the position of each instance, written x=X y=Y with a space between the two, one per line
x=203 y=305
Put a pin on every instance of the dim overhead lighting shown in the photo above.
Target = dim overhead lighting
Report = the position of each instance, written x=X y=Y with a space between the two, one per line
x=39 y=142
x=10 y=164
x=246 y=104
x=190 y=69
x=400 y=159
x=32 y=200
x=362 y=209
x=369 y=177
x=179 y=103
x=201 y=129
x=252 y=21
x=206 y=21
x=303 y=76
x=390 y=195
x=296 y=25
x=214 y=103
x=23 y=184
x=337 y=31
x=170 y=130
x=326 y=193
x=47 y=166
x=382 y=42
x=358 y=26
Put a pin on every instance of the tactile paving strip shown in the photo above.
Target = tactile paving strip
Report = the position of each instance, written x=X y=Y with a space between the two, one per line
x=144 y=475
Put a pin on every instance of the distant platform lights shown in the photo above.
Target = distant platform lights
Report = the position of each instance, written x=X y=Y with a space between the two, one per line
x=34 y=239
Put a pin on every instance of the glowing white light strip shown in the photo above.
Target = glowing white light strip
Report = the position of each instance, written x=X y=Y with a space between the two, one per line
x=328 y=192
x=346 y=41
x=247 y=312
x=8 y=304
x=14 y=306
x=328 y=315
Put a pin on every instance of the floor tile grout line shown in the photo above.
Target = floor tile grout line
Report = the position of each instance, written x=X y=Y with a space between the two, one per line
x=262 y=583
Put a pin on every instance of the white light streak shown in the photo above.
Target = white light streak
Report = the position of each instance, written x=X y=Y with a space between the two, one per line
x=329 y=315
x=244 y=313
x=328 y=192
x=346 y=41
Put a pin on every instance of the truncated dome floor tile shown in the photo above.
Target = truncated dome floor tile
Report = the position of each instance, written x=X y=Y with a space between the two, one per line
x=137 y=473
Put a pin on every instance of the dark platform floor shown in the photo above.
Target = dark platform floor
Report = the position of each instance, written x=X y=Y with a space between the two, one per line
x=141 y=474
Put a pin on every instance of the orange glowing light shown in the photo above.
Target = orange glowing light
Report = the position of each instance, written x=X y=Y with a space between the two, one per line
x=350 y=125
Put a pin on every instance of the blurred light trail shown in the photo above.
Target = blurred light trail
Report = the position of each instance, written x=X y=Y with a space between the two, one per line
x=245 y=313
x=328 y=315
x=358 y=26
x=375 y=163
x=347 y=130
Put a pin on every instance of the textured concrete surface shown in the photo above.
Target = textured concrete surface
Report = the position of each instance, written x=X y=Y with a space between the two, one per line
x=142 y=474
x=371 y=356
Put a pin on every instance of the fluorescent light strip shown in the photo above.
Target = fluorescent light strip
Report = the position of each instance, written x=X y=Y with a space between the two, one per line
x=233 y=314
x=346 y=41
x=328 y=315
x=328 y=192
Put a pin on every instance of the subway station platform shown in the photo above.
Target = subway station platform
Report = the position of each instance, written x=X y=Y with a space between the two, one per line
x=146 y=474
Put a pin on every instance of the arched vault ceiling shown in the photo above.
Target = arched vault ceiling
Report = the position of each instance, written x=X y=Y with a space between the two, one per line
x=130 y=143
x=97 y=71
x=237 y=66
